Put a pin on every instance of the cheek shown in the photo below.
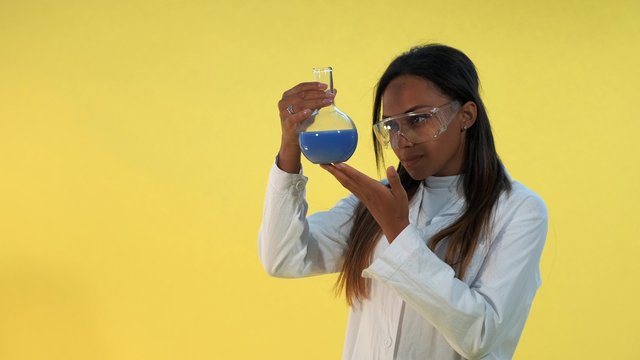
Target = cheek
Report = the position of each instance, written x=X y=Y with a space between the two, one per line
x=450 y=142
x=441 y=149
x=439 y=153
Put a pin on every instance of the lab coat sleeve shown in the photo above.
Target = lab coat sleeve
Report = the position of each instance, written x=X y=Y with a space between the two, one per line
x=290 y=244
x=493 y=309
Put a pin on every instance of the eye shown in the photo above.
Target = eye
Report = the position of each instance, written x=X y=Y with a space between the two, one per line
x=391 y=126
x=418 y=119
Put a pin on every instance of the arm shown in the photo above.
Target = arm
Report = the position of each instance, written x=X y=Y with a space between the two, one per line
x=493 y=309
x=292 y=245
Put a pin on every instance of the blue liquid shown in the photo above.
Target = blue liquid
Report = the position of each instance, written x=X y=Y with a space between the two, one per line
x=325 y=147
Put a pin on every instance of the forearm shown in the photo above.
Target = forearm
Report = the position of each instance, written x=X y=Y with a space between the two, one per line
x=288 y=159
x=487 y=310
x=292 y=245
x=282 y=237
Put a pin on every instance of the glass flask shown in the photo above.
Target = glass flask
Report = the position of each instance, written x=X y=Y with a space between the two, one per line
x=328 y=136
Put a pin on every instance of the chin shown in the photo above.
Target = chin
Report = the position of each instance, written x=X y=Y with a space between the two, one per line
x=416 y=174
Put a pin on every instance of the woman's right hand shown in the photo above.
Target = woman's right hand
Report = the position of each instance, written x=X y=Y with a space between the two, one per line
x=302 y=99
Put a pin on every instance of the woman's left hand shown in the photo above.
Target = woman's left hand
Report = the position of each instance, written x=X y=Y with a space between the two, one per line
x=388 y=205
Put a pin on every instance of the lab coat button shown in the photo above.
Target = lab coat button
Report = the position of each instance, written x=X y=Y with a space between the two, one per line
x=388 y=342
x=300 y=185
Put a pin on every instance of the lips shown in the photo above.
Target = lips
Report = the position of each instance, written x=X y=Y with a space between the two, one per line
x=409 y=161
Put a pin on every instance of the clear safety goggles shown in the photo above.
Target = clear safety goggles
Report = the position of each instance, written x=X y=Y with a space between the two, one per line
x=422 y=125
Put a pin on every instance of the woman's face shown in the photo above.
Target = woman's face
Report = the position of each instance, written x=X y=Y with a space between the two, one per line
x=442 y=156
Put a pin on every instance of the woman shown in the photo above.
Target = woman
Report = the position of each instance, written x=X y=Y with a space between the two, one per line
x=443 y=261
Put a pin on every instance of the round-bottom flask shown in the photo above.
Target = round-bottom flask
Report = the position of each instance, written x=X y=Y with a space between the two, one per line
x=329 y=135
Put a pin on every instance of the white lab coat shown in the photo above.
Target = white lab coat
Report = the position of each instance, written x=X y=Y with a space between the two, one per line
x=417 y=309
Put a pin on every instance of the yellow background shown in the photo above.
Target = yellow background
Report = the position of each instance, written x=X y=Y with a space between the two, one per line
x=136 y=137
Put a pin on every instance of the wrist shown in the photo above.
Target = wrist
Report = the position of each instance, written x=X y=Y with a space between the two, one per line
x=392 y=233
x=288 y=159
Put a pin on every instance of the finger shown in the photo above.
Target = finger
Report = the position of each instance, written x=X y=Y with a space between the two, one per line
x=295 y=118
x=301 y=105
x=395 y=183
x=361 y=185
x=305 y=86
x=343 y=179
x=356 y=175
x=304 y=95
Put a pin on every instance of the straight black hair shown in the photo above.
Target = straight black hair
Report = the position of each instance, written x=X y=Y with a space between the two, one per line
x=483 y=177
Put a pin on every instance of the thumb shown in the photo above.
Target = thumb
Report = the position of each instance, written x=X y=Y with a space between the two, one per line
x=394 y=181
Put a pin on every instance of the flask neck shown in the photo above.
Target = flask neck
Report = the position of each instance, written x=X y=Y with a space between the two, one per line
x=325 y=76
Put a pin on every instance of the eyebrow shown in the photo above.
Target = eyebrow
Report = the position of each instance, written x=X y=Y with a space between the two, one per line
x=411 y=109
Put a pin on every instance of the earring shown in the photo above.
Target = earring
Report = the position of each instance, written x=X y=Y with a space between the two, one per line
x=463 y=128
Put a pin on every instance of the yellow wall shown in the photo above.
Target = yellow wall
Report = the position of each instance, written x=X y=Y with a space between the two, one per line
x=136 y=137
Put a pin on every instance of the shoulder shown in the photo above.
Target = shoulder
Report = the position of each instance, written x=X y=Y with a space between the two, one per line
x=520 y=201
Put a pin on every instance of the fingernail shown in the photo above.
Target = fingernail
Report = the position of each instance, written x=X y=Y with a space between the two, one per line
x=327 y=101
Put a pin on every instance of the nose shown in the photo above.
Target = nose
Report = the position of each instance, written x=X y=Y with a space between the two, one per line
x=399 y=140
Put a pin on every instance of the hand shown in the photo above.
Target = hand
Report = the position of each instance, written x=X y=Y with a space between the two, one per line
x=302 y=99
x=388 y=205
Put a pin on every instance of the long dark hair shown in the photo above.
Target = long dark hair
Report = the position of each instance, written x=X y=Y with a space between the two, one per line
x=483 y=177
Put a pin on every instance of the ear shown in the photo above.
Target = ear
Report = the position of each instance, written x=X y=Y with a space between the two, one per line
x=469 y=112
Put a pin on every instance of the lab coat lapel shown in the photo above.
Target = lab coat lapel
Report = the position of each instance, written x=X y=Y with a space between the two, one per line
x=447 y=216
